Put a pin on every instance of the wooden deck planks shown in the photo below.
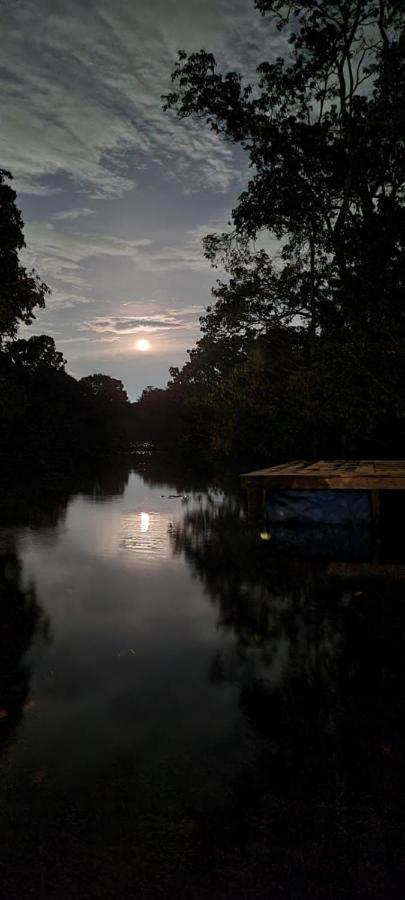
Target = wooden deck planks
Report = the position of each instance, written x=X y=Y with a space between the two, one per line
x=372 y=475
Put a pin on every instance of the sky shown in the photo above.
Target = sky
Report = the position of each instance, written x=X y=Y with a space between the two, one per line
x=116 y=194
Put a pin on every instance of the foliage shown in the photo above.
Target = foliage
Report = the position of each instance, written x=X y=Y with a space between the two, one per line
x=311 y=320
x=38 y=352
x=160 y=417
x=103 y=387
x=20 y=291
x=47 y=418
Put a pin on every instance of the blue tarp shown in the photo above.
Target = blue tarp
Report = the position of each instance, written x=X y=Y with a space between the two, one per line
x=346 y=543
x=319 y=507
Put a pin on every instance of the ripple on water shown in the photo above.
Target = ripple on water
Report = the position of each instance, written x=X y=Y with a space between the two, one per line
x=147 y=534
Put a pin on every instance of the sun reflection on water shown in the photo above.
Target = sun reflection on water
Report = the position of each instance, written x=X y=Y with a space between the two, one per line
x=145 y=521
x=146 y=534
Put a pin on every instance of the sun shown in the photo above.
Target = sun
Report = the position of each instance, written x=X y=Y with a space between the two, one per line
x=142 y=344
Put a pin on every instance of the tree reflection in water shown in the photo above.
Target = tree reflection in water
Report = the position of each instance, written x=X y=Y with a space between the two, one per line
x=318 y=656
x=43 y=504
x=21 y=621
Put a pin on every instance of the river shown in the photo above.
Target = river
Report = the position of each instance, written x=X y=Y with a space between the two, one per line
x=193 y=707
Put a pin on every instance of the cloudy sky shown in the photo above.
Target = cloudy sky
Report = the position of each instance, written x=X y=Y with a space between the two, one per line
x=116 y=195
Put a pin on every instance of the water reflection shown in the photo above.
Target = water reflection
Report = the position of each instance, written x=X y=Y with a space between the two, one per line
x=145 y=521
x=37 y=508
x=146 y=534
x=43 y=504
x=108 y=483
x=318 y=655
x=21 y=622
x=225 y=716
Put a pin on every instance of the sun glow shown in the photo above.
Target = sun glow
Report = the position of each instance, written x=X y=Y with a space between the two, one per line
x=142 y=344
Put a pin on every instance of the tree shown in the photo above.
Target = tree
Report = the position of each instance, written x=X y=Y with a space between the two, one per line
x=159 y=416
x=103 y=387
x=324 y=131
x=20 y=291
x=39 y=352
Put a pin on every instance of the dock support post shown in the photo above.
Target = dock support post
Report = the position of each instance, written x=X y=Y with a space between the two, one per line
x=375 y=512
x=375 y=509
x=255 y=502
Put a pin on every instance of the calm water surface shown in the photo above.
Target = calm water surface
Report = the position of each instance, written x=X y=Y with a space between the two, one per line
x=188 y=710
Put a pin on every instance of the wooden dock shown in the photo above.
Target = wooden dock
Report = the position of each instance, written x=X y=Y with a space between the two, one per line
x=358 y=474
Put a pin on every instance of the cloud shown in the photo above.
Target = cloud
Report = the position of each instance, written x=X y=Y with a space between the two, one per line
x=74 y=340
x=59 y=257
x=66 y=299
x=72 y=214
x=88 y=340
x=82 y=120
x=44 y=239
x=131 y=324
x=187 y=254
x=194 y=310
x=191 y=310
x=87 y=104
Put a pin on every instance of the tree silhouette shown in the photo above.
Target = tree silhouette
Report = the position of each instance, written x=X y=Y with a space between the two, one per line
x=103 y=387
x=47 y=418
x=38 y=352
x=20 y=291
x=323 y=130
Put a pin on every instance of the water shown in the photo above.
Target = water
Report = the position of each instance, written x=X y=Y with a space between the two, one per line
x=189 y=710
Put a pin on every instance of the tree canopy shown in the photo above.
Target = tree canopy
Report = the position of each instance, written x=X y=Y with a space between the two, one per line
x=20 y=291
x=324 y=131
x=47 y=418
x=316 y=247
x=103 y=387
x=38 y=352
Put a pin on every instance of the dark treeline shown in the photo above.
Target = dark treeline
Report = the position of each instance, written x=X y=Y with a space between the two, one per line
x=303 y=348
x=47 y=417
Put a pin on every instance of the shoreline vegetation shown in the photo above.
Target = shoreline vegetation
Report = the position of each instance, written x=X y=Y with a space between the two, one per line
x=302 y=352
